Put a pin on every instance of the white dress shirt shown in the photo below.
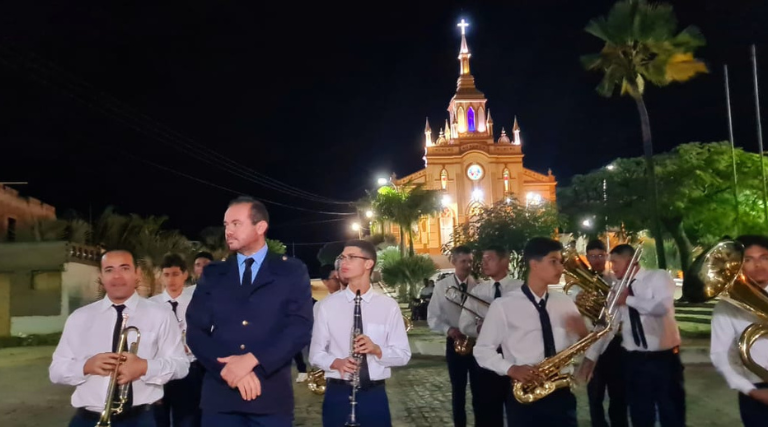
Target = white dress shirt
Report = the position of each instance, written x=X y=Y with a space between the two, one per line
x=728 y=323
x=513 y=322
x=382 y=322
x=485 y=291
x=654 y=300
x=441 y=313
x=88 y=331
x=183 y=299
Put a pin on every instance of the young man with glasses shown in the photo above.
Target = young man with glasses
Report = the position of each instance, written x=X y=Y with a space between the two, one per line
x=383 y=342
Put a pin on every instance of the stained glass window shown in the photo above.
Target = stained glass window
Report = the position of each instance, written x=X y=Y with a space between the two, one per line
x=471 y=119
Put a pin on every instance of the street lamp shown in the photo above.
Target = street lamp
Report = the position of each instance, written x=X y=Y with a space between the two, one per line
x=382 y=181
x=369 y=213
x=356 y=227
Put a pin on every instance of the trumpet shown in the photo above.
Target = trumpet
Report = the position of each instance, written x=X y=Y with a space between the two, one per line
x=465 y=345
x=551 y=367
x=116 y=406
x=594 y=289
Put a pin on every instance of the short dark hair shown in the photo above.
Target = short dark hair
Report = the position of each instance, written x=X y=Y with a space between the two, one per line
x=753 y=240
x=126 y=251
x=539 y=247
x=595 y=244
x=461 y=250
x=173 y=260
x=367 y=247
x=501 y=252
x=623 y=250
x=204 y=254
x=325 y=271
x=258 y=210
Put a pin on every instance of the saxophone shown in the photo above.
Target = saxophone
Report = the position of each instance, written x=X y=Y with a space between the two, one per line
x=354 y=380
x=550 y=376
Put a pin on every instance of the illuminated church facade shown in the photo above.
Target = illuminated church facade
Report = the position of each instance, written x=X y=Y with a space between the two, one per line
x=472 y=166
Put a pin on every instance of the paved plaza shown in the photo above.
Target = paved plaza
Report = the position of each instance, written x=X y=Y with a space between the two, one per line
x=419 y=394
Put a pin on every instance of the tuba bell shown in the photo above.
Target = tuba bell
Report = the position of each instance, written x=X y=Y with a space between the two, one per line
x=594 y=289
x=116 y=406
x=718 y=273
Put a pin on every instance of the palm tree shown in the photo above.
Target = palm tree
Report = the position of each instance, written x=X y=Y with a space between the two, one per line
x=404 y=205
x=642 y=45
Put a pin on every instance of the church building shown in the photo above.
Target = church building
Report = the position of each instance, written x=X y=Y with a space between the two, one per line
x=471 y=164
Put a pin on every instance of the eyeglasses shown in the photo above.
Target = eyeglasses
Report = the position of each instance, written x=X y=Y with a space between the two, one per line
x=345 y=258
x=599 y=256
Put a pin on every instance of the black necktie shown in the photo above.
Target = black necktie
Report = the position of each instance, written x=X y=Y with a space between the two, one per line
x=463 y=288
x=247 y=273
x=546 y=325
x=174 y=304
x=637 y=326
x=497 y=294
x=115 y=342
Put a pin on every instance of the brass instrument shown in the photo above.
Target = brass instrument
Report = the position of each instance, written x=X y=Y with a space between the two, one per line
x=718 y=272
x=408 y=323
x=594 y=289
x=354 y=381
x=114 y=406
x=464 y=346
x=316 y=381
x=550 y=368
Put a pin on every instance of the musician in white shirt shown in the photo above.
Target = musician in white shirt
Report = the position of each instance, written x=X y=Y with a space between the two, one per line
x=383 y=342
x=651 y=339
x=531 y=324
x=85 y=355
x=443 y=318
x=728 y=323
x=181 y=401
x=492 y=390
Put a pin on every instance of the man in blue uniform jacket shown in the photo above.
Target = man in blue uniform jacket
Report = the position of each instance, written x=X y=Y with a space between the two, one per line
x=248 y=317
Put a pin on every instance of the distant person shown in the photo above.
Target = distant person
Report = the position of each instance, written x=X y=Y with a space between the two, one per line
x=201 y=260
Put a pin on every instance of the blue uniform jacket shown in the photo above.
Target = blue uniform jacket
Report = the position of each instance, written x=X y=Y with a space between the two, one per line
x=271 y=319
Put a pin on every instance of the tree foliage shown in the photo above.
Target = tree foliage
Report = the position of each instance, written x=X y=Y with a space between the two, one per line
x=404 y=205
x=406 y=272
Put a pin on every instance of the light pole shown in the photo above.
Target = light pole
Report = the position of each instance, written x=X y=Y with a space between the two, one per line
x=610 y=168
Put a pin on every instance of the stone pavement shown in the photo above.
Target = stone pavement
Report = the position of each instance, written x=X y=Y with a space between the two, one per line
x=419 y=394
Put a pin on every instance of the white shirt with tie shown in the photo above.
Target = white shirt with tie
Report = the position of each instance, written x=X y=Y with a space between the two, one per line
x=654 y=300
x=513 y=323
x=88 y=332
x=183 y=300
x=382 y=322
x=486 y=292
x=441 y=313
x=728 y=323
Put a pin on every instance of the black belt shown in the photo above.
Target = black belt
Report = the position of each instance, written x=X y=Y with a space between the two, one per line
x=126 y=414
x=370 y=385
x=655 y=354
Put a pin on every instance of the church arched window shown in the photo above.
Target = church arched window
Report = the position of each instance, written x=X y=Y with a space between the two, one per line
x=471 y=119
x=462 y=120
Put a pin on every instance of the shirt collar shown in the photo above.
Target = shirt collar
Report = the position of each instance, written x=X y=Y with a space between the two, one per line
x=167 y=297
x=258 y=257
x=366 y=296
x=131 y=302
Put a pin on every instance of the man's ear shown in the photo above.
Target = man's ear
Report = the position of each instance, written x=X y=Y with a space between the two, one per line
x=369 y=264
x=261 y=227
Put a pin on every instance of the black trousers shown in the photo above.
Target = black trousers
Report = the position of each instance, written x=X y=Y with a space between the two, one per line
x=301 y=366
x=490 y=394
x=461 y=368
x=180 y=406
x=655 y=383
x=753 y=413
x=556 y=410
x=372 y=406
x=609 y=374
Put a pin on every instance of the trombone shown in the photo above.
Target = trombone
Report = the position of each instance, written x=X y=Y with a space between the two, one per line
x=116 y=406
x=464 y=346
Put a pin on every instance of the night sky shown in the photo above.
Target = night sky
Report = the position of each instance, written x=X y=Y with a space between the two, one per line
x=146 y=106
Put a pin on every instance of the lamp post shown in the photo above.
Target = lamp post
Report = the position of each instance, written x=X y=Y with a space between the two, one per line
x=610 y=168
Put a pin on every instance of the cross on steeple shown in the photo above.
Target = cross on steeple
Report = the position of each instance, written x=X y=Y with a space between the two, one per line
x=463 y=26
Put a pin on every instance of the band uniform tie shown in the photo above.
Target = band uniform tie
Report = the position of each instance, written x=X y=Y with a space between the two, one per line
x=497 y=293
x=174 y=304
x=638 y=334
x=546 y=324
x=247 y=273
x=365 y=375
x=115 y=342
x=463 y=288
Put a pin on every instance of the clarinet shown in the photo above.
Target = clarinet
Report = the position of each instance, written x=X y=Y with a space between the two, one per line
x=354 y=380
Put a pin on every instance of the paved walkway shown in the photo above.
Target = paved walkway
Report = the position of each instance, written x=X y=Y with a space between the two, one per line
x=419 y=395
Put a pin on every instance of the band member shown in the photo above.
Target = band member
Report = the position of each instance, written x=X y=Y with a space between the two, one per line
x=248 y=317
x=443 y=318
x=651 y=338
x=609 y=371
x=492 y=389
x=531 y=324
x=330 y=278
x=383 y=342
x=181 y=401
x=728 y=323
x=86 y=358
x=199 y=262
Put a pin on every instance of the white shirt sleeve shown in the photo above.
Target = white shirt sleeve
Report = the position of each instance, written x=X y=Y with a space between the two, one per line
x=396 y=351
x=67 y=367
x=321 y=340
x=491 y=336
x=171 y=362
x=435 y=315
x=599 y=347
x=723 y=337
x=662 y=296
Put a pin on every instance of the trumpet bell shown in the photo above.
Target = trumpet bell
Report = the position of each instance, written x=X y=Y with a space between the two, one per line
x=464 y=346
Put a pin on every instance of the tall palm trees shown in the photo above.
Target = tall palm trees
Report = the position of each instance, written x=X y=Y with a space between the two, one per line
x=404 y=205
x=642 y=45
